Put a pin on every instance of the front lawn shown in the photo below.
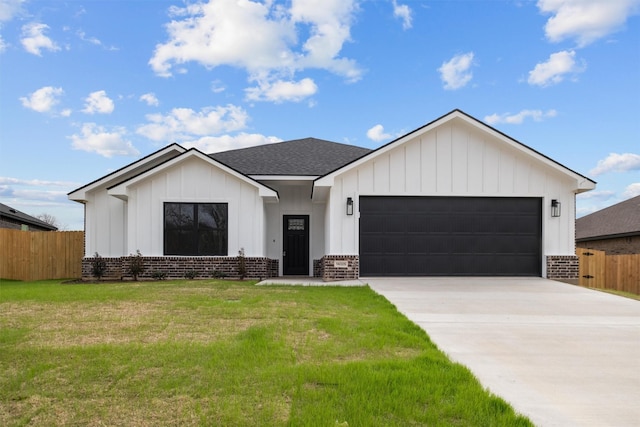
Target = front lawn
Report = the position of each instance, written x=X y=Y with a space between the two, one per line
x=225 y=353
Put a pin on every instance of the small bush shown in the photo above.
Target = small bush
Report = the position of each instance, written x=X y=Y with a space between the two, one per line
x=242 y=264
x=191 y=274
x=136 y=264
x=159 y=275
x=98 y=266
x=217 y=274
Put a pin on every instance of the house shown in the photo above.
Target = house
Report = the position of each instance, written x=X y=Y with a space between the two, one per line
x=615 y=230
x=454 y=197
x=13 y=218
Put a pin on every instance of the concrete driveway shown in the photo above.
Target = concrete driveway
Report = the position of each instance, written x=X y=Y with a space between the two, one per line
x=560 y=354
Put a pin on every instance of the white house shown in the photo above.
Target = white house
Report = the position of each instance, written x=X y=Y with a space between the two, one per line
x=454 y=197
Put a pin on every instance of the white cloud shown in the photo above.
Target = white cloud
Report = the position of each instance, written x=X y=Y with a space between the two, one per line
x=615 y=162
x=9 y=9
x=34 y=40
x=600 y=195
x=214 y=144
x=455 y=73
x=585 y=20
x=403 y=12
x=184 y=123
x=518 y=118
x=98 y=102
x=271 y=41
x=554 y=70
x=632 y=190
x=97 y=139
x=43 y=100
x=3 y=45
x=6 y=180
x=377 y=134
x=150 y=98
x=92 y=40
x=280 y=91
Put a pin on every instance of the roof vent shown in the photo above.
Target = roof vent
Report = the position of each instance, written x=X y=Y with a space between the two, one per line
x=12 y=210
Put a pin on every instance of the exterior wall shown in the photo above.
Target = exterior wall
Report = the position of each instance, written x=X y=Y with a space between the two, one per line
x=455 y=159
x=105 y=225
x=8 y=223
x=180 y=267
x=19 y=225
x=295 y=199
x=197 y=181
x=563 y=267
x=105 y=216
x=340 y=267
x=617 y=246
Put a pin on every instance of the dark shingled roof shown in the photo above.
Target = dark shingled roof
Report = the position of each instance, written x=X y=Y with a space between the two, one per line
x=622 y=219
x=16 y=215
x=308 y=156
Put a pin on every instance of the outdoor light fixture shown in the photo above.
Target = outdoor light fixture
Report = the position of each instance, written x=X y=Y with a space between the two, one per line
x=349 y=206
x=555 y=208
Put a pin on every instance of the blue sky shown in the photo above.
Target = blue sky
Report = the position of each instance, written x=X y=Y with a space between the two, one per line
x=87 y=87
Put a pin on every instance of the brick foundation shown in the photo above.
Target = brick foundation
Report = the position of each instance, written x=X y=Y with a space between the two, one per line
x=562 y=267
x=317 y=268
x=180 y=267
x=332 y=269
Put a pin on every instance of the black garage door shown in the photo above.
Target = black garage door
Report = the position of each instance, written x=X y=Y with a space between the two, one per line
x=450 y=236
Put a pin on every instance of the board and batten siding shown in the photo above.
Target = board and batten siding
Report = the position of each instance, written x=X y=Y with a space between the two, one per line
x=194 y=181
x=105 y=225
x=454 y=159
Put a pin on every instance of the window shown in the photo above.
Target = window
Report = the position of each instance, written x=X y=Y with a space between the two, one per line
x=195 y=228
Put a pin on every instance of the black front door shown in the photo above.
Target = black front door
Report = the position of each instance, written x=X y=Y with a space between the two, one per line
x=295 y=256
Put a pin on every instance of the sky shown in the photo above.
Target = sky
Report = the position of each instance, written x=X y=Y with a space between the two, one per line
x=87 y=87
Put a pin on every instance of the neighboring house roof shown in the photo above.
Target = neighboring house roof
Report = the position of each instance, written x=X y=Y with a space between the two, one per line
x=299 y=157
x=16 y=216
x=619 y=220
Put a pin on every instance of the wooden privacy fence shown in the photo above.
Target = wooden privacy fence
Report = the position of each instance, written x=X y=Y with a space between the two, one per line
x=615 y=272
x=39 y=255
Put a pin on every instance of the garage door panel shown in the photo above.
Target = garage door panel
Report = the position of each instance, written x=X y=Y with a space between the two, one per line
x=450 y=236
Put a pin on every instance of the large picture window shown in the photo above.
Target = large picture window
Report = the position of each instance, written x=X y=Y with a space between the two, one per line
x=195 y=228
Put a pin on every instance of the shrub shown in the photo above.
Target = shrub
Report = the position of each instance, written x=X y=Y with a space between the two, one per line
x=191 y=274
x=136 y=264
x=159 y=275
x=98 y=266
x=217 y=274
x=242 y=264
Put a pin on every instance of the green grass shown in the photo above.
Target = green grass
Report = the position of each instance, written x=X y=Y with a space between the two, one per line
x=225 y=353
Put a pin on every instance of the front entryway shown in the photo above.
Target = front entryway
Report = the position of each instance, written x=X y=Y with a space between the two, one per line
x=295 y=247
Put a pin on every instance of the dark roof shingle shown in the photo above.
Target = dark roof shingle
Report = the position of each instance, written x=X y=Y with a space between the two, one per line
x=305 y=157
x=620 y=219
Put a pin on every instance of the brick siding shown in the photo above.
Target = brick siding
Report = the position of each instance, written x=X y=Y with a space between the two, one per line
x=179 y=267
x=617 y=246
x=330 y=272
x=562 y=267
x=317 y=268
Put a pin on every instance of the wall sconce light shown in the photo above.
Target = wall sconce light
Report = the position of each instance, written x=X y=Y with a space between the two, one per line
x=555 y=208
x=349 y=206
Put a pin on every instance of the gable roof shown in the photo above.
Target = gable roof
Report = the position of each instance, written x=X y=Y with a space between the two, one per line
x=299 y=157
x=619 y=220
x=132 y=169
x=16 y=215
x=583 y=183
x=120 y=189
